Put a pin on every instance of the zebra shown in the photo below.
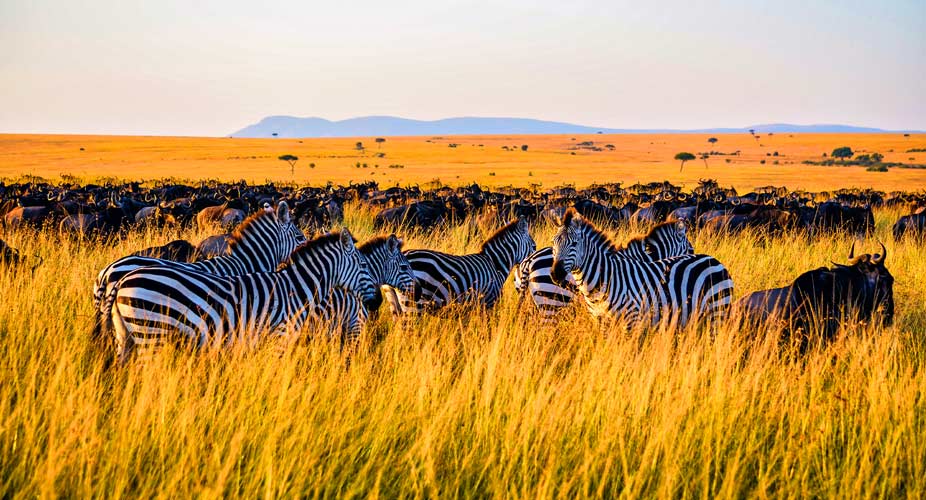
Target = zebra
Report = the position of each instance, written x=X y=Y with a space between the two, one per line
x=259 y=244
x=677 y=289
x=389 y=267
x=343 y=312
x=442 y=279
x=533 y=275
x=154 y=304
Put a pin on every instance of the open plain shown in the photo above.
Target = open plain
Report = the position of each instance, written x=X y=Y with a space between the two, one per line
x=552 y=160
x=468 y=402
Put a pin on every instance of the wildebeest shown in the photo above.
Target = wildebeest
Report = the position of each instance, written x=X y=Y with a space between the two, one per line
x=914 y=224
x=224 y=216
x=9 y=255
x=822 y=299
x=26 y=216
x=177 y=250
x=213 y=246
x=422 y=214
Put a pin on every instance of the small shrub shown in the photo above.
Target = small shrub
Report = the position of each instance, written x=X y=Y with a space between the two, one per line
x=877 y=168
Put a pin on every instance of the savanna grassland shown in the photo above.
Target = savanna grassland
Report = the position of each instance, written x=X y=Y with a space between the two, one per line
x=469 y=403
x=549 y=160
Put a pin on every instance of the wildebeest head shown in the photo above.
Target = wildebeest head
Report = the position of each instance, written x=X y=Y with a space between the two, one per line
x=873 y=282
x=856 y=290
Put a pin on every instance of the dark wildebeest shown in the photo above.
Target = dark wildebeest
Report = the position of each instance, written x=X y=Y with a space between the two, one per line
x=824 y=298
x=220 y=215
x=9 y=255
x=177 y=250
x=26 y=216
x=213 y=246
x=421 y=214
x=915 y=224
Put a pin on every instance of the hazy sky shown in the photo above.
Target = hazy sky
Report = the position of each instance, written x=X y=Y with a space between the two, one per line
x=209 y=68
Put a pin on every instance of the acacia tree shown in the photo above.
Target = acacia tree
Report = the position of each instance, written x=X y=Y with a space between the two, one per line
x=291 y=159
x=712 y=140
x=683 y=157
x=379 y=142
x=843 y=153
x=704 y=157
x=359 y=146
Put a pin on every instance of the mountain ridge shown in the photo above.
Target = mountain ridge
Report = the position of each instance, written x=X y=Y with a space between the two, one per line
x=285 y=126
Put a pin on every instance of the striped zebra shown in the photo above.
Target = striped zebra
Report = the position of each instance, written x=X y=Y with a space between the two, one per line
x=153 y=305
x=259 y=244
x=389 y=267
x=343 y=313
x=677 y=289
x=669 y=239
x=442 y=279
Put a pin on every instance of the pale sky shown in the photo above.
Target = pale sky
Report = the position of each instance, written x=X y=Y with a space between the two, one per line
x=191 y=67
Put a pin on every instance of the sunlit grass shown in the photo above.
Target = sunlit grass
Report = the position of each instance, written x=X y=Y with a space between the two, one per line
x=470 y=402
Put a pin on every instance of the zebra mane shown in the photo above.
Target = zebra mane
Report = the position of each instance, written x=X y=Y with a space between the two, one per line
x=659 y=228
x=370 y=246
x=241 y=232
x=311 y=246
x=573 y=217
x=501 y=233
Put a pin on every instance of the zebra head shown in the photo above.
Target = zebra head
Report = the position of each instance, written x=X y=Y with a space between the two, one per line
x=268 y=237
x=568 y=246
x=388 y=265
x=354 y=271
x=509 y=245
x=669 y=239
x=330 y=261
x=578 y=246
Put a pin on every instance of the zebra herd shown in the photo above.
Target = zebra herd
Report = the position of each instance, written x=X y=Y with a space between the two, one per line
x=274 y=282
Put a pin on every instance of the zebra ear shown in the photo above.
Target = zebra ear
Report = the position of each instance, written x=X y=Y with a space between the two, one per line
x=395 y=244
x=283 y=212
x=682 y=228
x=346 y=238
x=522 y=223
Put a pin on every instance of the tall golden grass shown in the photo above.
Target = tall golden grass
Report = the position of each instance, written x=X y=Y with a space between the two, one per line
x=468 y=402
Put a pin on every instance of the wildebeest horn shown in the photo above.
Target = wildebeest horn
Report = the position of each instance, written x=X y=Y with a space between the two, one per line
x=879 y=259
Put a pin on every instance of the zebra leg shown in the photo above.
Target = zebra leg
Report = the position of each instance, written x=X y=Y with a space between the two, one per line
x=124 y=342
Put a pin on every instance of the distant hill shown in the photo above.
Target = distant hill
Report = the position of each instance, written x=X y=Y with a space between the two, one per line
x=294 y=127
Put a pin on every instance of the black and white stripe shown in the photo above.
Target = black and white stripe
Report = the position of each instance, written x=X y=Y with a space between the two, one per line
x=676 y=290
x=533 y=275
x=343 y=313
x=442 y=279
x=260 y=244
x=153 y=305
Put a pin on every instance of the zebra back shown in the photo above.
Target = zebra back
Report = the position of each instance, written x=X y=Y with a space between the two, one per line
x=441 y=278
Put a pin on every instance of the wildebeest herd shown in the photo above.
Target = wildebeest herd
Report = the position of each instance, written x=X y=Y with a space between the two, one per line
x=261 y=274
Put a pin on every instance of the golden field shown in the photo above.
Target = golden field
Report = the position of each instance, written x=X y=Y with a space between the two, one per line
x=468 y=403
x=548 y=161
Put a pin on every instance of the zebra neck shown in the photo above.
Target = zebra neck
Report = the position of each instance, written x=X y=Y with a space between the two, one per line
x=376 y=267
x=590 y=273
x=309 y=285
x=502 y=261
x=254 y=257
